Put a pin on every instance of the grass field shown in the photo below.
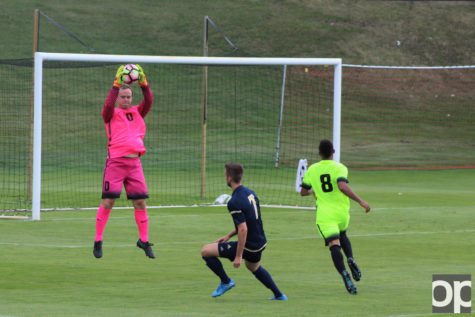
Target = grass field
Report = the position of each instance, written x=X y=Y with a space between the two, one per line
x=390 y=118
x=421 y=224
x=362 y=32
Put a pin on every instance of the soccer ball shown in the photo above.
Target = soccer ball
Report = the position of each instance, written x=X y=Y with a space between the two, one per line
x=131 y=74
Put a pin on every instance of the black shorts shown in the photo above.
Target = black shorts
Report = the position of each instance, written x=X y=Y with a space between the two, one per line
x=228 y=250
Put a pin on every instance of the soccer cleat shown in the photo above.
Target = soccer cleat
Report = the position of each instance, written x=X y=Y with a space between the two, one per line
x=147 y=247
x=281 y=297
x=223 y=288
x=97 y=249
x=355 y=270
x=350 y=287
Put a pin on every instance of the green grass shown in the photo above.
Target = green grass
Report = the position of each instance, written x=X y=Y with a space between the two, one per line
x=390 y=118
x=421 y=224
x=362 y=32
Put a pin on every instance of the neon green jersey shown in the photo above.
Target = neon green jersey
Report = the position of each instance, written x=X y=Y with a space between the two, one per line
x=323 y=177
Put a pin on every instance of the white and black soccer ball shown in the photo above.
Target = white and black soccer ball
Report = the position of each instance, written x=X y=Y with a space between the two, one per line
x=131 y=74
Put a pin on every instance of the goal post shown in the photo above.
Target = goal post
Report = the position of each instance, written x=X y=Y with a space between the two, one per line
x=393 y=118
x=39 y=89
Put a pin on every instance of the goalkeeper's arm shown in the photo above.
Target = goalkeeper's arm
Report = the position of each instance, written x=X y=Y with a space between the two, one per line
x=109 y=105
x=108 y=110
x=147 y=101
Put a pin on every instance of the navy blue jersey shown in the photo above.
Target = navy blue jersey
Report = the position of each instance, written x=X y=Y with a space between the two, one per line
x=244 y=207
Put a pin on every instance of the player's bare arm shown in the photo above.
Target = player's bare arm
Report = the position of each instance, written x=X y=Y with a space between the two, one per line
x=345 y=189
x=242 y=236
x=305 y=192
x=227 y=237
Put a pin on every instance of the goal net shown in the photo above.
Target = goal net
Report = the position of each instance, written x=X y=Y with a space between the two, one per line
x=251 y=116
x=15 y=137
x=266 y=116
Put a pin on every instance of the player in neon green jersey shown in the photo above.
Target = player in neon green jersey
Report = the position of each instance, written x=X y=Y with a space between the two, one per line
x=329 y=182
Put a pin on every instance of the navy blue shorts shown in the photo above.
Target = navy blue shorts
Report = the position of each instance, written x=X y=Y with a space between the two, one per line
x=228 y=250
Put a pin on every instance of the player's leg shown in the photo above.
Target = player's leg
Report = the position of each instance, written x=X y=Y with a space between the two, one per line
x=210 y=253
x=331 y=233
x=141 y=219
x=337 y=258
x=102 y=217
x=111 y=188
x=263 y=275
x=346 y=246
x=137 y=191
x=347 y=249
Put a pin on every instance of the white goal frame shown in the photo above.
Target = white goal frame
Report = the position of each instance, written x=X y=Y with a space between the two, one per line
x=40 y=57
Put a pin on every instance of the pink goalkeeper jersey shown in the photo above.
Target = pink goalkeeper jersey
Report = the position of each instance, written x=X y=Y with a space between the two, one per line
x=126 y=127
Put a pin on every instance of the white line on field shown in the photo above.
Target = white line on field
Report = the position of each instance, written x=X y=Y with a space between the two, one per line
x=410 y=233
x=224 y=213
x=203 y=242
x=297 y=210
x=429 y=208
x=263 y=205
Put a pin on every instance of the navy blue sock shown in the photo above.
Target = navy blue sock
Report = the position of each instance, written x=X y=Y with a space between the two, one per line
x=346 y=245
x=217 y=267
x=264 y=277
x=337 y=258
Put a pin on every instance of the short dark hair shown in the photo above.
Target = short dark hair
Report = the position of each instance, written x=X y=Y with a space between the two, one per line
x=326 y=149
x=125 y=86
x=236 y=171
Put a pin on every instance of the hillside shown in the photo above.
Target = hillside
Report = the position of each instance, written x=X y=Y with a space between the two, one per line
x=361 y=32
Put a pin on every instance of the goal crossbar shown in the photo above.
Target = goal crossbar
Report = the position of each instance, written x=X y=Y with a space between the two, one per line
x=197 y=60
x=40 y=57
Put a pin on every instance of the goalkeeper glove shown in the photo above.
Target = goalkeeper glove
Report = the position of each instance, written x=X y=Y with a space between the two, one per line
x=118 y=76
x=142 y=77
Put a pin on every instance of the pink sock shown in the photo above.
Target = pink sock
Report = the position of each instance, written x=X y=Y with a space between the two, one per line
x=142 y=223
x=101 y=221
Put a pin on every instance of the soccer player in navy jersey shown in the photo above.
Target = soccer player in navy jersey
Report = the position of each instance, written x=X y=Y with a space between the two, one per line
x=245 y=211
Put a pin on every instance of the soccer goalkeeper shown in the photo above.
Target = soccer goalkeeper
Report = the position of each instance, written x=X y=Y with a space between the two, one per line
x=329 y=179
x=125 y=128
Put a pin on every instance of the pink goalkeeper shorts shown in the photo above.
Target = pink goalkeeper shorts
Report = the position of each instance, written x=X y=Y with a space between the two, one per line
x=127 y=171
